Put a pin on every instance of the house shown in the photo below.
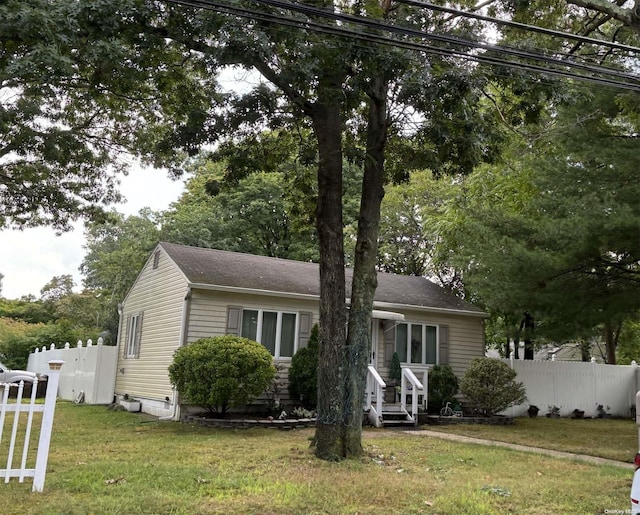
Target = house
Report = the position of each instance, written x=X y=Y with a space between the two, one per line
x=186 y=293
x=569 y=351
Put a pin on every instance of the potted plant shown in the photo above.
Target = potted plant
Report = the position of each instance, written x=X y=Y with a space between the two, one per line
x=533 y=411
x=130 y=404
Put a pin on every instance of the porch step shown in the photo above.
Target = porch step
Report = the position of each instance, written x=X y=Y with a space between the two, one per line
x=393 y=415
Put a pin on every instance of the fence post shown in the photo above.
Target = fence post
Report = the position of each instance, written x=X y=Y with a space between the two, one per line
x=47 y=425
x=638 y=416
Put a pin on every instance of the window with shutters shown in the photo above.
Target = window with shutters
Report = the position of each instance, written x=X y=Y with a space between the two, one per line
x=276 y=330
x=134 y=329
x=417 y=343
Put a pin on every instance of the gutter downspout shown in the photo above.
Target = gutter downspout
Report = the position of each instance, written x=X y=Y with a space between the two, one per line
x=182 y=341
x=120 y=311
x=118 y=336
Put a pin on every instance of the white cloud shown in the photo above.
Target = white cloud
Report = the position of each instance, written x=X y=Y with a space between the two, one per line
x=30 y=258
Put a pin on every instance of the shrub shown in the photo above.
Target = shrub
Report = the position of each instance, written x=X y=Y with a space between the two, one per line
x=395 y=372
x=303 y=374
x=18 y=339
x=14 y=350
x=221 y=372
x=443 y=386
x=490 y=385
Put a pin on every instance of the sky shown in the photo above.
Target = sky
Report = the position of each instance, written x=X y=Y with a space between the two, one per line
x=29 y=259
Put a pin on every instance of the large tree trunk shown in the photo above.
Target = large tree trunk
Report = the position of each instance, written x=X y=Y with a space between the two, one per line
x=611 y=342
x=364 y=275
x=327 y=124
x=527 y=328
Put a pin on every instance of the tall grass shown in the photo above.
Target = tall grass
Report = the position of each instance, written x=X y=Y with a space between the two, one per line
x=116 y=462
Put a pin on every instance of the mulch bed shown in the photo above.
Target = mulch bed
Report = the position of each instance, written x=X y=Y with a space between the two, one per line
x=246 y=423
x=295 y=423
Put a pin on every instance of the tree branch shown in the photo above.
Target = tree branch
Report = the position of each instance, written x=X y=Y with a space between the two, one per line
x=630 y=17
x=295 y=97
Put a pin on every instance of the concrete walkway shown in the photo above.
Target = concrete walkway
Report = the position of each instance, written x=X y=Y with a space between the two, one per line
x=547 y=452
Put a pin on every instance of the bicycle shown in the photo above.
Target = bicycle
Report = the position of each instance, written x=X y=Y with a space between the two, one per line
x=447 y=411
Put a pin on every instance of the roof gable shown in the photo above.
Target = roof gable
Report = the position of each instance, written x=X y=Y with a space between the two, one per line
x=212 y=267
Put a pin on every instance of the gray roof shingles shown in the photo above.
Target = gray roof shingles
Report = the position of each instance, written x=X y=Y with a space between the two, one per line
x=213 y=267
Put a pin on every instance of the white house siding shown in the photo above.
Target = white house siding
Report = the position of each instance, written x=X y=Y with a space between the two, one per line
x=208 y=310
x=158 y=294
x=466 y=342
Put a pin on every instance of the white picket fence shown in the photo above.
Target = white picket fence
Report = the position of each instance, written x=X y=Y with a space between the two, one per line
x=573 y=385
x=89 y=374
x=37 y=472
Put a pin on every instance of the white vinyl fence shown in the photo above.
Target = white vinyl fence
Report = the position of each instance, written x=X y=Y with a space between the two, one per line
x=89 y=374
x=47 y=409
x=573 y=385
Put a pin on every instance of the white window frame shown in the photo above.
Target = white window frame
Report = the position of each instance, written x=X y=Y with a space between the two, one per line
x=133 y=335
x=423 y=360
x=279 y=314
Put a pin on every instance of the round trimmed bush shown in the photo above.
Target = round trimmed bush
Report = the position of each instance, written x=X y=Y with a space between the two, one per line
x=221 y=372
x=490 y=386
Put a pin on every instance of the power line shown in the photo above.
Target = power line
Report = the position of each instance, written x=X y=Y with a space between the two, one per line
x=383 y=26
x=443 y=51
x=523 y=26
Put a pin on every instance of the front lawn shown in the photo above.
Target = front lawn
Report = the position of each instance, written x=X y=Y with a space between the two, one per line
x=116 y=462
x=607 y=438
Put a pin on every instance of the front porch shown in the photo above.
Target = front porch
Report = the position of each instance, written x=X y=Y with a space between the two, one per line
x=396 y=408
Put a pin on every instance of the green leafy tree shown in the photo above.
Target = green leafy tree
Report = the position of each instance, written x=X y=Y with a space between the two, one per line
x=16 y=341
x=15 y=346
x=303 y=373
x=27 y=309
x=59 y=287
x=252 y=215
x=629 y=342
x=411 y=214
x=551 y=233
x=15 y=350
x=490 y=386
x=221 y=372
x=241 y=199
x=143 y=75
x=82 y=82
x=117 y=249
x=85 y=311
x=106 y=90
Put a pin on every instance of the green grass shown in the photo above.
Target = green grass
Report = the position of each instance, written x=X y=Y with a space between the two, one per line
x=607 y=438
x=122 y=463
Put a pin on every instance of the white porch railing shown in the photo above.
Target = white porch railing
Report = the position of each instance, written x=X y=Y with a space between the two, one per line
x=410 y=385
x=375 y=385
x=48 y=409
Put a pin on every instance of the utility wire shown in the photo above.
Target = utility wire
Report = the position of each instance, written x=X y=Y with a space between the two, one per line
x=384 y=26
x=369 y=37
x=523 y=26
